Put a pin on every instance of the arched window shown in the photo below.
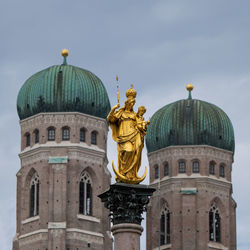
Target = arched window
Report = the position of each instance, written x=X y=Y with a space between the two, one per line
x=36 y=133
x=65 y=133
x=222 y=171
x=34 y=195
x=166 y=169
x=165 y=226
x=196 y=167
x=27 y=135
x=82 y=134
x=156 y=171
x=94 y=138
x=182 y=167
x=214 y=224
x=211 y=167
x=85 y=194
x=51 y=134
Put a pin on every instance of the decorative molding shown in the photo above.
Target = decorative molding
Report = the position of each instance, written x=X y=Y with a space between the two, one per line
x=62 y=144
x=159 y=156
x=56 y=225
x=84 y=235
x=79 y=151
x=58 y=159
x=163 y=247
x=210 y=178
x=30 y=219
x=35 y=156
x=62 y=118
x=85 y=156
x=33 y=233
x=85 y=232
x=88 y=218
x=216 y=245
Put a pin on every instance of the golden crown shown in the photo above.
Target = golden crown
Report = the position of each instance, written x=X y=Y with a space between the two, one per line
x=131 y=92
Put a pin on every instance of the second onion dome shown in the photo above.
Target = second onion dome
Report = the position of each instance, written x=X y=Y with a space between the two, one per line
x=190 y=122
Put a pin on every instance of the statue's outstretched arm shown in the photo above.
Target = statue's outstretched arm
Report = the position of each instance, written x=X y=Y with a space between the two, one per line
x=110 y=116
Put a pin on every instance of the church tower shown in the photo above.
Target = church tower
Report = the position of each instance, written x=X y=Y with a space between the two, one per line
x=190 y=147
x=62 y=112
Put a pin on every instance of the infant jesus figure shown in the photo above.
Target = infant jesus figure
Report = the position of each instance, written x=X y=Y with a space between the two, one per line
x=141 y=124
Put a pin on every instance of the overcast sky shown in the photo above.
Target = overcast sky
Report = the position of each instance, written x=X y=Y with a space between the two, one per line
x=159 y=46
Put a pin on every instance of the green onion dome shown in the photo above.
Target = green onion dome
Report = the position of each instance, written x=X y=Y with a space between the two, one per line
x=63 y=88
x=190 y=122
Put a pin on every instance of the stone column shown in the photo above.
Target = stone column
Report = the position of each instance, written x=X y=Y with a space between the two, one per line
x=127 y=236
x=126 y=203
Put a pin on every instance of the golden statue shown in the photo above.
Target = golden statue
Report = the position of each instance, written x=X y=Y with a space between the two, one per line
x=128 y=130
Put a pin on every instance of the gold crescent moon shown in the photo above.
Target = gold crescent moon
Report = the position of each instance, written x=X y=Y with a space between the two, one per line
x=123 y=179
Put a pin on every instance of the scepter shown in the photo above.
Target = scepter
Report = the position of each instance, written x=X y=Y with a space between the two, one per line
x=117 y=89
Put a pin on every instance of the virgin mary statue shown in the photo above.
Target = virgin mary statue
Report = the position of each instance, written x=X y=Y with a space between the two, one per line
x=128 y=133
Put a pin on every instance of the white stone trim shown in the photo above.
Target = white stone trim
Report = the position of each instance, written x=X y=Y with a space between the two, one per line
x=184 y=176
x=33 y=233
x=57 y=225
x=163 y=247
x=88 y=218
x=34 y=218
x=63 y=144
x=76 y=230
x=217 y=245
x=75 y=151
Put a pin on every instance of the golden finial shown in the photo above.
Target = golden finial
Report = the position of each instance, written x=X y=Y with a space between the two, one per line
x=65 y=52
x=132 y=86
x=189 y=88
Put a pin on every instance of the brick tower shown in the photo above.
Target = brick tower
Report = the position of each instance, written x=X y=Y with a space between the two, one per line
x=190 y=150
x=62 y=112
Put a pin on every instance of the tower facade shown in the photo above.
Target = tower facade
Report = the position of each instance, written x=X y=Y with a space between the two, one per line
x=62 y=113
x=190 y=149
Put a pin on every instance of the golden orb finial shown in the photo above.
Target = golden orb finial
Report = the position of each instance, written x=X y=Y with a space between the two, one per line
x=189 y=87
x=65 y=52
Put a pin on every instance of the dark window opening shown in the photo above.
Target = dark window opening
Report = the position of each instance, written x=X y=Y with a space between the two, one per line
x=51 y=134
x=34 y=196
x=222 y=171
x=182 y=167
x=85 y=195
x=211 y=168
x=65 y=134
x=27 y=140
x=166 y=170
x=214 y=224
x=196 y=167
x=82 y=135
x=156 y=172
x=165 y=227
x=94 y=138
x=36 y=136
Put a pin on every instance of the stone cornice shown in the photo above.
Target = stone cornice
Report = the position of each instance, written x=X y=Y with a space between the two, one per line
x=189 y=151
x=70 y=118
x=79 y=151
x=201 y=182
